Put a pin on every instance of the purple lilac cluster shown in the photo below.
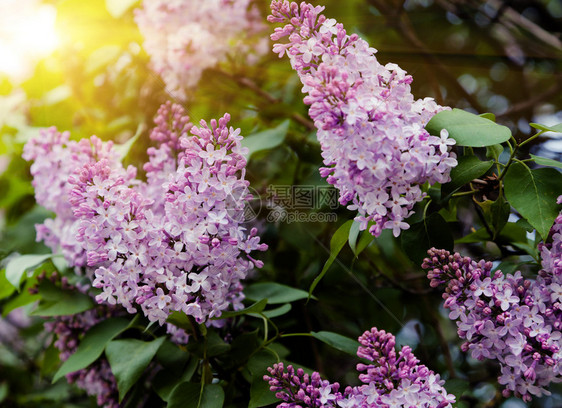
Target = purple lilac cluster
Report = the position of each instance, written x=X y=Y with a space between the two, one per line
x=97 y=379
x=173 y=243
x=183 y=38
x=55 y=158
x=391 y=380
x=371 y=130
x=187 y=253
x=506 y=317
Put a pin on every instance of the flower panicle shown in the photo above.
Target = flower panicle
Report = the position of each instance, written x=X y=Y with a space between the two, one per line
x=375 y=149
x=175 y=243
x=393 y=379
x=505 y=317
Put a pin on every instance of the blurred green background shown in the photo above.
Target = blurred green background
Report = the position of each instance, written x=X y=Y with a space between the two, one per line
x=81 y=67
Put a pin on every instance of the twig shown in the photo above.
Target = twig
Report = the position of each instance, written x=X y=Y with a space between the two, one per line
x=404 y=27
x=509 y=15
x=442 y=341
x=533 y=101
x=251 y=85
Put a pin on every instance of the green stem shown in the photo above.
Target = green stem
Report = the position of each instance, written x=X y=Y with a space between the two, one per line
x=295 y=334
x=265 y=328
x=502 y=174
x=425 y=208
x=531 y=138
x=464 y=193
x=514 y=151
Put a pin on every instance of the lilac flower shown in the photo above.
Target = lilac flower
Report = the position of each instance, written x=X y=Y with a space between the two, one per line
x=183 y=38
x=55 y=159
x=174 y=244
x=506 y=317
x=392 y=380
x=371 y=130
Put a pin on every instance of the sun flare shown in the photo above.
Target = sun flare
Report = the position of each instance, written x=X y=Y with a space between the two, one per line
x=27 y=33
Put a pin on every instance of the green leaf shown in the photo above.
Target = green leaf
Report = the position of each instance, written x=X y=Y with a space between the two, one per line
x=523 y=223
x=494 y=151
x=338 y=342
x=17 y=267
x=543 y=161
x=496 y=213
x=469 y=168
x=6 y=288
x=260 y=394
x=533 y=194
x=255 y=308
x=213 y=345
x=172 y=357
x=480 y=235
x=180 y=319
x=59 y=302
x=489 y=116
x=274 y=293
x=69 y=303
x=337 y=242
x=555 y=128
x=267 y=139
x=50 y=361
x=166 y=380
x=364 y=241
x=242 y=348
x=257 y=365
x=22 y=299
x=510 y=234
x=433 y=231
x=279 y=311
x=128 y=359
x=530 y=249
x=195 y=395
x=185 y=395
x=259 y=362
x=353 y=235
x=468 y=129
x=124 y=149
x=500 y=211
x=92 y=345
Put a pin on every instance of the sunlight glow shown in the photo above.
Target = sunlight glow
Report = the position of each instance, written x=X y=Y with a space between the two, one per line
x=27 y=33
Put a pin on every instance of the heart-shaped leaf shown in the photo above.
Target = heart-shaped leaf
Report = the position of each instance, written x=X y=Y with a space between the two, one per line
x=468 y=129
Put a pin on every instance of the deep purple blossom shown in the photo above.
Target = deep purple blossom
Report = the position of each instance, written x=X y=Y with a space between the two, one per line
x=506 y=317
x=371 y=130
x=391 y=380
